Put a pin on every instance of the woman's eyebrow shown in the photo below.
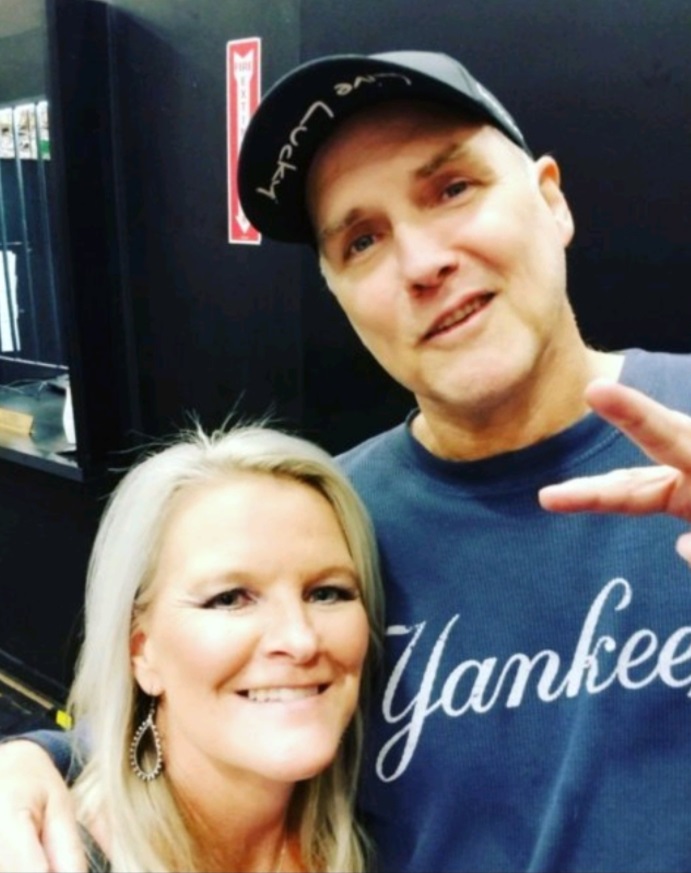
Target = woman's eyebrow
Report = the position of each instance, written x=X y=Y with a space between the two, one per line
x=342 y=571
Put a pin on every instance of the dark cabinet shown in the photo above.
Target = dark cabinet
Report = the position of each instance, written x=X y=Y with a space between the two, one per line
x=67 y=394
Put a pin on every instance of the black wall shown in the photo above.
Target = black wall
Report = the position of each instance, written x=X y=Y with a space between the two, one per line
x=604 y=86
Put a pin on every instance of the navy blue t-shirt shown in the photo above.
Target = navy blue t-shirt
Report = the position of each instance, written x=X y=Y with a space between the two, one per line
x=535 y=712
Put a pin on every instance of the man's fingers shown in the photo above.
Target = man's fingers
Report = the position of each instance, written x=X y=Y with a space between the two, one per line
x=684 y=547
x=637 y=491
x=61 y=841
x=58 y=850
x=663 y=434
x=38 y=831
x=21 y=850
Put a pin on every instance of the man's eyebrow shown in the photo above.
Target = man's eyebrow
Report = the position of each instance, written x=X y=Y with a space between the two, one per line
x=450 y=153
x=338 y=226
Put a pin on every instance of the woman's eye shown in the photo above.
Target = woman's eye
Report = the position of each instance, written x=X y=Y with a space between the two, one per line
x=234 y=598
x=455 y=189
x=332 y=594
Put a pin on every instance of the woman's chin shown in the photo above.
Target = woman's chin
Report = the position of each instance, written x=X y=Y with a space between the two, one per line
x=296 y=767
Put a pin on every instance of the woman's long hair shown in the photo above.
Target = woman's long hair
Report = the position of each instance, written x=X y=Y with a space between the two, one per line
x=147 y=830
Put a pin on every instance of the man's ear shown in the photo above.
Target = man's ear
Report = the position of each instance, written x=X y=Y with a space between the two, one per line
x=549 y=182
x=143 y=665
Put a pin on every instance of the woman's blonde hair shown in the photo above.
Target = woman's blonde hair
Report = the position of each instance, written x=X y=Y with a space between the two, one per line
x=146 y=828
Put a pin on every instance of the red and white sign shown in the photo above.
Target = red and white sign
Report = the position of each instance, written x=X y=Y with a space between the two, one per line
x=243 y=76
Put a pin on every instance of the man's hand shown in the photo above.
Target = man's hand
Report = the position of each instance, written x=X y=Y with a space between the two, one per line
x=38 y=830
x=663 y=434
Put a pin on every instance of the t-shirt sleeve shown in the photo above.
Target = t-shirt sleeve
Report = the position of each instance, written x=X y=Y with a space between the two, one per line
x=66 y=749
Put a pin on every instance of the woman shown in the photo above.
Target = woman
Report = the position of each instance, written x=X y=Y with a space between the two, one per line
x=233 y=607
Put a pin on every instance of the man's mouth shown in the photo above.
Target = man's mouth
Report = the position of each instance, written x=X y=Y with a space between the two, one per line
x=282 y=694
x=458 y=316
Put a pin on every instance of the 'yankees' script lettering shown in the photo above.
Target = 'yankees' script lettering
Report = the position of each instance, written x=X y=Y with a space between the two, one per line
x=598 y=661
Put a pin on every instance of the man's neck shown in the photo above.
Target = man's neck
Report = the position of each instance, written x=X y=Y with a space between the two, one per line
x=526 y=417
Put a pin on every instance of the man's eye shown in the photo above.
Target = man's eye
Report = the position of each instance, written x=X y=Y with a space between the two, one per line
x=359 y=244
x=327 y=594
x=234 y=598
x=455 y=189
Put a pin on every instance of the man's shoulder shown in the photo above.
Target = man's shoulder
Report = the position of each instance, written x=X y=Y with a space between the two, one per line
x=373 y=452
x=665 y=376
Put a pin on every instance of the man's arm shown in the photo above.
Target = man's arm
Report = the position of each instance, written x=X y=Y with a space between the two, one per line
x=663 y=434
x=38 y=829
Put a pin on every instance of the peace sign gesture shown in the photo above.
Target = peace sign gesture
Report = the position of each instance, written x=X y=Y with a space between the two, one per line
x=663 y=434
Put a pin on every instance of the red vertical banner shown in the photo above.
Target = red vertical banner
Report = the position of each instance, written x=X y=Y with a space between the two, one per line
x=243 y=78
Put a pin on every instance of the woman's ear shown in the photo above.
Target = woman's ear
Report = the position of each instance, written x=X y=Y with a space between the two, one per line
x=143 y=663
x=549 y=182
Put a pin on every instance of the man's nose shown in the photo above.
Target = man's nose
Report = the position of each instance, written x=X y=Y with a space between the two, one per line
x=290 y=631
x=425 y=260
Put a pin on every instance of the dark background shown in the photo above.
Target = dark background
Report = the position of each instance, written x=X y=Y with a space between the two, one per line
x=36 y=345
x=604 y=85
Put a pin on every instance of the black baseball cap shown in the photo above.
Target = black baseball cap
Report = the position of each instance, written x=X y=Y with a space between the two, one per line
x=299 y=113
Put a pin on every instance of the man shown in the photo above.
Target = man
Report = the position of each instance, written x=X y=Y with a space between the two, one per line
x=534 y=708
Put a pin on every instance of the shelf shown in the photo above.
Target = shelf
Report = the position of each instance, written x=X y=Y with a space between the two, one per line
x=46 y=447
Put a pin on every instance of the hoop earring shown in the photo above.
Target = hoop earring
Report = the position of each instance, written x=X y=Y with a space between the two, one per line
x=135 y=751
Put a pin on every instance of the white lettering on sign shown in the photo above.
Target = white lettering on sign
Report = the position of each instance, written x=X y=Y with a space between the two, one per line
x=243 y=82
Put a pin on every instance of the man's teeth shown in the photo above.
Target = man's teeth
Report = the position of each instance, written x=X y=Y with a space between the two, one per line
x=461 y=314
x=281 y=695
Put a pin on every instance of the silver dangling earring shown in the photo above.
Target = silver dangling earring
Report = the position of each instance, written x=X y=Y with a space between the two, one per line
x=135 y=752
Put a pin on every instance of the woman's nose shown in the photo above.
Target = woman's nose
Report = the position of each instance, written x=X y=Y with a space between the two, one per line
x=290 y=632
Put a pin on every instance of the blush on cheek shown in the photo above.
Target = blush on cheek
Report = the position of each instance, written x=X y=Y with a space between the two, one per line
x=359 y=643
x=205 y=648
